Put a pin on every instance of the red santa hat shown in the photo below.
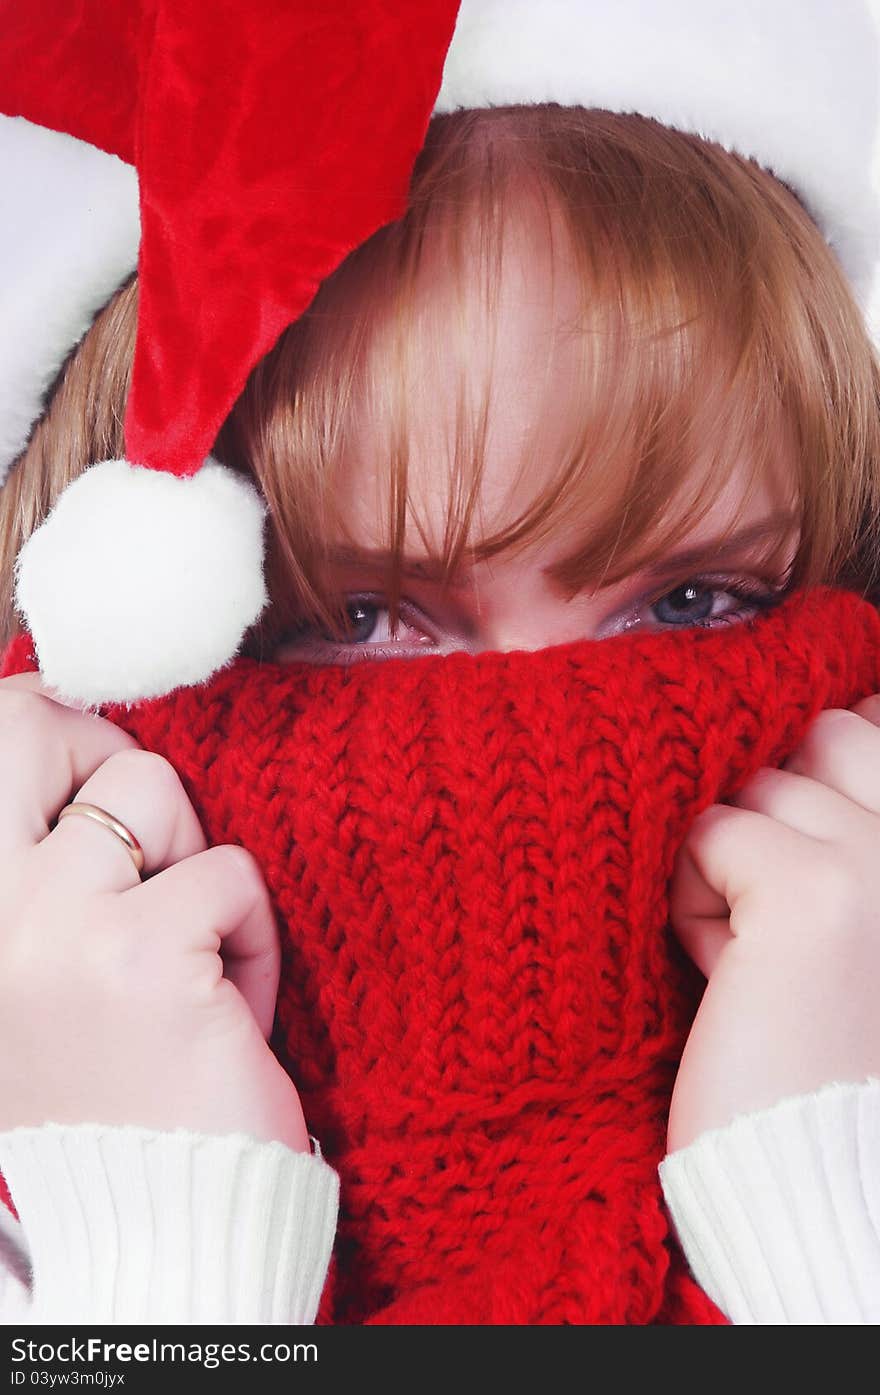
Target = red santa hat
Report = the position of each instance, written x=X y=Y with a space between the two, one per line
x=245 y=147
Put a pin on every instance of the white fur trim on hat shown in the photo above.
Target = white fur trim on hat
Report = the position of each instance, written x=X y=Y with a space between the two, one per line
x=791 y=83
x=138 y=582
x=69 y=234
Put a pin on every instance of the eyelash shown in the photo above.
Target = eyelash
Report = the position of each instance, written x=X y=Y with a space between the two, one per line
x=761 y=598
x=332 y=651
x=328 y=650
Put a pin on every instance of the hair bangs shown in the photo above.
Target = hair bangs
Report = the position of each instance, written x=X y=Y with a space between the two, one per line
x=708 y=326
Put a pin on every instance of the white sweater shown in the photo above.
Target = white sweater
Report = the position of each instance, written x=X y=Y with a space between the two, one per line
x=778 y=1214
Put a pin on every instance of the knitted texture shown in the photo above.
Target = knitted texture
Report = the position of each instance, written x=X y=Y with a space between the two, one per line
x=481 y=1001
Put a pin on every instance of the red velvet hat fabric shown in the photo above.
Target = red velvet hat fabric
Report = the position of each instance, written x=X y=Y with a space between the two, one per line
x=73 y=66
x=270 y=140
x=481 y=1002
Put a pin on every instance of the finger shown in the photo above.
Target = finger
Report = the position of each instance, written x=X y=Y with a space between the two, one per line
x=144 y=792
x=842 y=750
x=222 y=900
x=738 y=851
x=699 y=915
x=802 y=803
x=36 y=683
x=869 y=708
x=47 y=751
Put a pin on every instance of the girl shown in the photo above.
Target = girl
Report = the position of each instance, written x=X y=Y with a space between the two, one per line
x=604 y=381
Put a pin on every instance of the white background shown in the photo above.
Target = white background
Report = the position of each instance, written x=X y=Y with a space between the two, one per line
x=874 y=303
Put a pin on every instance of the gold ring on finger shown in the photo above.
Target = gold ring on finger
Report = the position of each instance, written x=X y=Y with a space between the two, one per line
x=125 y=835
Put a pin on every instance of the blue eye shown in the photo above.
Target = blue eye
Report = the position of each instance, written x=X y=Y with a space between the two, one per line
x=366 y=632
x=360 y=621
x=709 y=603
x=686 y=605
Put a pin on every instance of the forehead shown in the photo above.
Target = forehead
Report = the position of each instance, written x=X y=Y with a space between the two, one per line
x=491 y=352
x=512 y=360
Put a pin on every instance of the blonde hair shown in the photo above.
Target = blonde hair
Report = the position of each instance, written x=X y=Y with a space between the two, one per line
x=713 y=317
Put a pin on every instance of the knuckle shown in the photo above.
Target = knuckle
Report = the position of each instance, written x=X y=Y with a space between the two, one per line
x=704 y=824
x=833 y=728
x=146 y=768
x=766 y=777
x=834 y=740
x=31 y=717
x=237 y=862
x=869 y=708
x=763 y=792
x=19 y=708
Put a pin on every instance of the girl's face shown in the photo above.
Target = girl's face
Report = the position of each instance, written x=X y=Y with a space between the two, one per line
x=512 y=601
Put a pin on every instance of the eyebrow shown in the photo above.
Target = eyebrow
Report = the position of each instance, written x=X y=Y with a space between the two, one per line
x=772 y=528
x=424 y=568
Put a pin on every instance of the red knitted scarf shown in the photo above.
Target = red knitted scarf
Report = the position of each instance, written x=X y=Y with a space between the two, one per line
x=481 y=1002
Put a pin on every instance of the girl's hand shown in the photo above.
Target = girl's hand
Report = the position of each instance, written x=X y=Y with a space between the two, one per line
x=123 y=1002
x=776 y=898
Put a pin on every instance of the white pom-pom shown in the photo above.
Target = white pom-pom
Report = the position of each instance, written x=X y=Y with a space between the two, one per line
x=138 y=583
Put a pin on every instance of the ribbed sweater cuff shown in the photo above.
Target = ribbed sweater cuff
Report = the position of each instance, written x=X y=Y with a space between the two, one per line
x=779 y=1211
x=127 y=1225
